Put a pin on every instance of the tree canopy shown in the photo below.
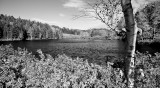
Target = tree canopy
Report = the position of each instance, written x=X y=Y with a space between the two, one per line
x=148 y=19
x=21 y=29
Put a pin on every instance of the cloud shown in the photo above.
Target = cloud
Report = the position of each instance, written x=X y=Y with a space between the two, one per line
x=74 y=3
x=62 y=15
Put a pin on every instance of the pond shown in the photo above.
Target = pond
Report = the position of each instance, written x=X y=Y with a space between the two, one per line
x=89 y=49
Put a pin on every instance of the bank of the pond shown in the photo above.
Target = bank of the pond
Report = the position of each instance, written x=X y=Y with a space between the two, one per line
x=24 y=40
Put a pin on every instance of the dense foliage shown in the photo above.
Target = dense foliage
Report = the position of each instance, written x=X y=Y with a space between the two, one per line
x=20 y=29
x=93 y=33
x=151 y=70
x=148 y=20
x=71 y=31
x=21 y=69
x=108 y=34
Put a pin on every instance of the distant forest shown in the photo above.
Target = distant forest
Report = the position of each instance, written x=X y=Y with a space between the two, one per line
x=148 y=19
x=21 y=29
x=12 y=28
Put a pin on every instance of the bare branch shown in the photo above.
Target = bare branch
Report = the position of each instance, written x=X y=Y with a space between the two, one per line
x=106 y=11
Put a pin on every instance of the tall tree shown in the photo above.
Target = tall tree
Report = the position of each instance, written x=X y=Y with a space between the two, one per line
x=108 y=11
x=131 y=41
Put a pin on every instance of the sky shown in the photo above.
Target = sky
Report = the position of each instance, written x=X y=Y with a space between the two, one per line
x=54 y=12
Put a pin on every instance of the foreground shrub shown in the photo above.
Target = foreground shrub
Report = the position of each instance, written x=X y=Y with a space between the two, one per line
x=20 y=69
x=151 y=69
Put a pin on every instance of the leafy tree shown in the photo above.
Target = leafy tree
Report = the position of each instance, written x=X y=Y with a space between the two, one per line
x=1 y=30
x=148 y=19
x=25 y=35
x=15 y=33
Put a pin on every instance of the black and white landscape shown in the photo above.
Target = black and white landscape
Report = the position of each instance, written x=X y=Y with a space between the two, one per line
x=79 y=43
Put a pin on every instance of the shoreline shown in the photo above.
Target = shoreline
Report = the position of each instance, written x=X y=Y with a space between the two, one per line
x=82 y=39
x=9 y=40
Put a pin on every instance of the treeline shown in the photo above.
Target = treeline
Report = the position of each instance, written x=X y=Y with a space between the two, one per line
x=93 y=33
x=70 y=31
x=100 y=33
x=21 y=29
x=108 y=34
x=148 y=19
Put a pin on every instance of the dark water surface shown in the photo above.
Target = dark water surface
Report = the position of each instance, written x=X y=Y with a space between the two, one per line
x=97 y=49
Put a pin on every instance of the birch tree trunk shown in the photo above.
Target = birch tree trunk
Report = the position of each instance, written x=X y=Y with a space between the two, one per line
x=131 y=42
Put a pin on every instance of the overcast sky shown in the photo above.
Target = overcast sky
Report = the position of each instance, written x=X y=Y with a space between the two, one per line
x=57 y=12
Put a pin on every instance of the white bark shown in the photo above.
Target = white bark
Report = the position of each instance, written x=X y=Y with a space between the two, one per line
x=131 y=29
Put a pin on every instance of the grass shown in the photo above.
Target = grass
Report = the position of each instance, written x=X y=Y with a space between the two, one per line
x=21 y=69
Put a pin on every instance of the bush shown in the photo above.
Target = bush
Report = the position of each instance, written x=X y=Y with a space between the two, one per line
x=151 y=68
x=21 y=69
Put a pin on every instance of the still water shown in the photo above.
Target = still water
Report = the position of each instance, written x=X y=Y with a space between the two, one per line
x=95 y=49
